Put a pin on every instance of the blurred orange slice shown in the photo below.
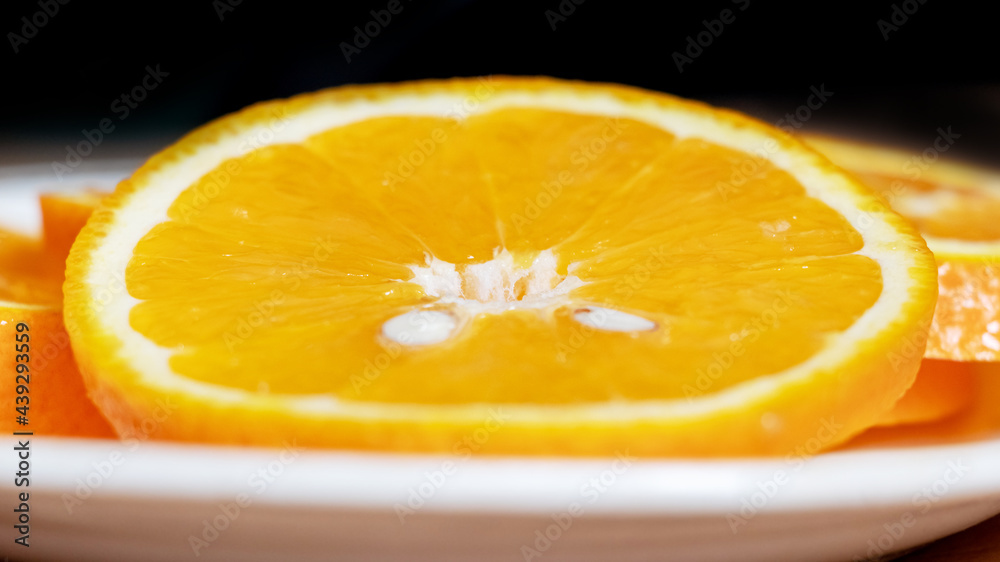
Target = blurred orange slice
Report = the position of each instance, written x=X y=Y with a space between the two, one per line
x=45 y=390
x=63 y=215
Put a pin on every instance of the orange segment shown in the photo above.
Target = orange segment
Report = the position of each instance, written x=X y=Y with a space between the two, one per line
x=967 y=319
x=30 y=298
x=403 y=197
x=385 y=275
x=955 y=207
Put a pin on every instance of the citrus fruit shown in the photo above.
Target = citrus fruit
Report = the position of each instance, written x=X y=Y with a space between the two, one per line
x=45 y=393
x=63 y=215
x=977 y=420
x=28 y=276
x=497 y=265
x=955 y=207
x=942 y=389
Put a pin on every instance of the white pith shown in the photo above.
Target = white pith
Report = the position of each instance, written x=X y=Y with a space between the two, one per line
x=612 y=320
x=420 y=327
x=147 y=207
x=492 y=287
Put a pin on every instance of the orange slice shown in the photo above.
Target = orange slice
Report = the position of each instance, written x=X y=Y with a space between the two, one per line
x=955 y=206
x=977 y=420
x=44 y=390
x=942 y=389
x=498 y=265
x=63 y=215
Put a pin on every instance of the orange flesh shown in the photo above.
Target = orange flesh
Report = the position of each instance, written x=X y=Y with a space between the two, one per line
x=953 y=203
x=320 y=238
x=967 y=318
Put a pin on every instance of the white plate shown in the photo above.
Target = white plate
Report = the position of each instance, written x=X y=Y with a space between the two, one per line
x=109 y=500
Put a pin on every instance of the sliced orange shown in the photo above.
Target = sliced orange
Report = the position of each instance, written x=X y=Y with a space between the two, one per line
x=978 y=420
x=46 y=392
x=955 y=206
x=63 y=215
x=28 y=275
x=497 y=265
x=942 y=389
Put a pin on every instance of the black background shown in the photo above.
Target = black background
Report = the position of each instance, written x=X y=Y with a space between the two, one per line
x=937 y=69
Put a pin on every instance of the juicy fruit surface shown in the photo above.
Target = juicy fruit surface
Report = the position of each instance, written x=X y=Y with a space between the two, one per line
x=644 y=226
x=264 y=287
x=967 y=319
x=955 y=207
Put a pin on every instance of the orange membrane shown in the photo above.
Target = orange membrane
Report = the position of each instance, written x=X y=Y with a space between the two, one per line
x=284 y=280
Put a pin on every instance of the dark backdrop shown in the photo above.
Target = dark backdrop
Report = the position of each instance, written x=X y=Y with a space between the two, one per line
x=63 y=71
